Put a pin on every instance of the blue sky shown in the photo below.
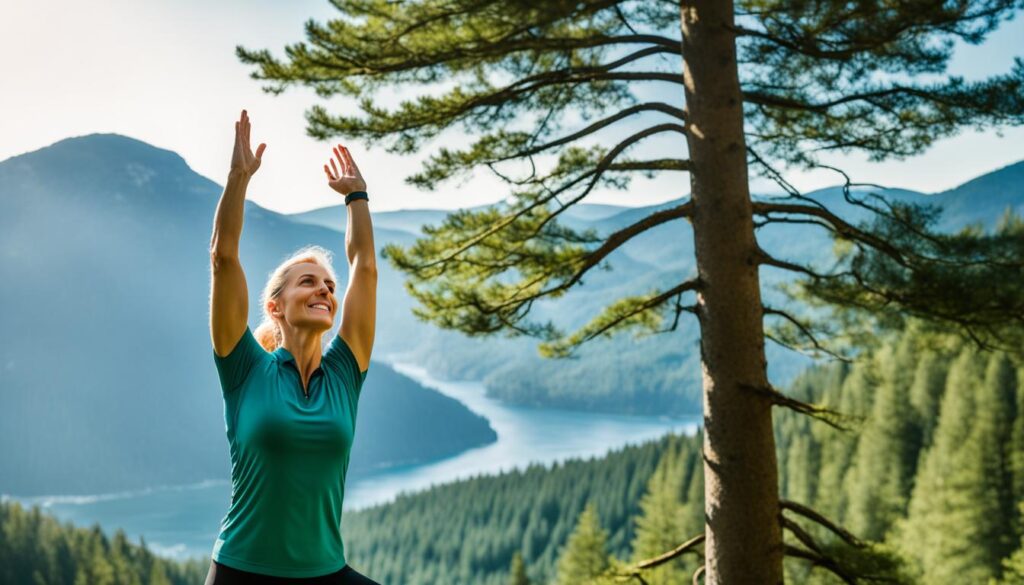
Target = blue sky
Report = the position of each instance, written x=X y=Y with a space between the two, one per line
x=166 y=73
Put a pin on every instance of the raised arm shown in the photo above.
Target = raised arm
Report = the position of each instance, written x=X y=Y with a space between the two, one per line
x=359 y=308
x=229 y=295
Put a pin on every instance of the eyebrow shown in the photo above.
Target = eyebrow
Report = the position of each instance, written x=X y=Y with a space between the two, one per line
x=311 y=274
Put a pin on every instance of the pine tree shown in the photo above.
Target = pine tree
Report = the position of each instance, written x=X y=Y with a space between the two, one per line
x=851 y=397
x=1013 y=566
x=993 y=435
x=885 y=461
x=585 y=557
x=926 y=391
x=694 y=520
x=1016 y=448
x=659 y=526
x=518 y=572
x=953 y=529
x=774 y=86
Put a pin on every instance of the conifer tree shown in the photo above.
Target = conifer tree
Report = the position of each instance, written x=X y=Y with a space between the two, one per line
x=885 y=462
x=585 y=556
x=1013 y=566
x=1017 y=447
x=763 y=84
x=518 y=572
x=952 y=526
x=926 y=391
x=838 y=448
x=693 y=502
x=659 y=526
x=993 y=434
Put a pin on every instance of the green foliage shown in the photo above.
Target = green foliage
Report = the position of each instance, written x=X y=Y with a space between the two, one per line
x=659 y=527
x=867 y=76
x=37 y=548
x=585 y=556
x=468 y=531
x=873 y=562
x=526 y=79
x=961 y=522
x=902 y=268
x=954 y=529
x=886 y=458
x=518 y=571
x=934 y=507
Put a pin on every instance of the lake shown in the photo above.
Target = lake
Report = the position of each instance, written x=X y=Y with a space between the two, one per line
x=183 y=520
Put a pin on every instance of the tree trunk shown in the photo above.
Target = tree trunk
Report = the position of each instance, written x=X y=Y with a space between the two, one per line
x=741 y=497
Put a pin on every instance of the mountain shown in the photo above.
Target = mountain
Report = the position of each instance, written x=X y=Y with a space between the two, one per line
x=106 y=200
x=107 y=380
x=983 y=199
x=411 y=220
x=660 y=373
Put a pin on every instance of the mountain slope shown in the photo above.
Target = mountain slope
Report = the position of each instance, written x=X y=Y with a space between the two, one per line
x=107 y=380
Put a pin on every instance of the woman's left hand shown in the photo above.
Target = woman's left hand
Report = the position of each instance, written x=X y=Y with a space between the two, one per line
x=348 y=179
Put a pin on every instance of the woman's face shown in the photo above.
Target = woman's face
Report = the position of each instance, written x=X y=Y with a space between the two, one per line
x=308 y=290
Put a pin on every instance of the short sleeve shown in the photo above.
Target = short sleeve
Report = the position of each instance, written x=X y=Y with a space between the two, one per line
x=234 y=368
x=340 y=357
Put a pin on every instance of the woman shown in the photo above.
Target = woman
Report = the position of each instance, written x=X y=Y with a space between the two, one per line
x=290 y=411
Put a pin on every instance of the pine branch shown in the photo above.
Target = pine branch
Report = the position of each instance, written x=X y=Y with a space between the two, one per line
x=820 y=561
x=661 y=164
x=628 y=311
x=765 y=258
x=820 y=556
x=835 y=223
x=593 y=175
x=516 y=33
x=807 y=45
x=802 y=535
x=830 y=417
x=591 y=259
x=645 y=107
x=635 y=571
x=688 y=546
x=858 y=30
x=814 y=516
x=429 y=114
x=502 y=146
x=806 y=332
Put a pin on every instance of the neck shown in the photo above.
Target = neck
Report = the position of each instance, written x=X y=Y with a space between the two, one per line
x=304 y=345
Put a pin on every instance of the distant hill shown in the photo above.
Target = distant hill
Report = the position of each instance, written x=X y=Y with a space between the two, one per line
x=412 y=220
x=113 y=235
x=107 y=380
x=660 y=373
x=983 y=199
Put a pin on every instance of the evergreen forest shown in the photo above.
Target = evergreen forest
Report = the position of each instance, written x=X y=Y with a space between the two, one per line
x=917 y=452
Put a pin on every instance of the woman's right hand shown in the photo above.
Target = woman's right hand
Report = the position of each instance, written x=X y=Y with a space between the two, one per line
x=242 y=158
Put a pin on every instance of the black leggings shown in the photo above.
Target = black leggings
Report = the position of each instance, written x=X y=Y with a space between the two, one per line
x=224 y=575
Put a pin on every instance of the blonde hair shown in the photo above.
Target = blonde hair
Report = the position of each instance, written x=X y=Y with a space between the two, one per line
x=268 y=333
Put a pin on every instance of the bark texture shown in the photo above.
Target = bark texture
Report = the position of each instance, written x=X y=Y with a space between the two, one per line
x=744 y=534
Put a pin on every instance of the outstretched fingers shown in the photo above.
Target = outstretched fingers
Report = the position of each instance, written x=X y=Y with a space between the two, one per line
x=351 y=162
x=341 y=160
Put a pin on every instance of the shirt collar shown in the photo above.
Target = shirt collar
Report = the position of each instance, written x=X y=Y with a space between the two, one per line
x=283 y=355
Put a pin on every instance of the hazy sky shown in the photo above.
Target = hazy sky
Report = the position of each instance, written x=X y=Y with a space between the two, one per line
x=166 y=73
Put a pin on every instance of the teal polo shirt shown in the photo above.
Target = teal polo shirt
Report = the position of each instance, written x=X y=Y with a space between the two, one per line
x=289 y=458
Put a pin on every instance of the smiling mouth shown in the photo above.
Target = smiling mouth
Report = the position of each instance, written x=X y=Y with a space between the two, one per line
x=320 y=310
